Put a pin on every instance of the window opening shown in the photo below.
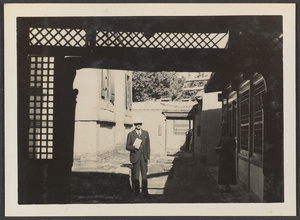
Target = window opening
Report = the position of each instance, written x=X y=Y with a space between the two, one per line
x=245 y=119
x=128 y=92
x=259 y=89
x=180 y=127
x=107 y=85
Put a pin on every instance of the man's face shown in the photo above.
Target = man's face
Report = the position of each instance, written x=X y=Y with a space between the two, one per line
x=138 y=126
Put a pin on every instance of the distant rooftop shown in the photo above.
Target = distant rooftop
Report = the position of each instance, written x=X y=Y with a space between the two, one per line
x=163 y=104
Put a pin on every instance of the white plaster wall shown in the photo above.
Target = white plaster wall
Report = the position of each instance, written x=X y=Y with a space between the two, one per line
x=257 y=181
x=99 y=124
x=88 y=82
x=174 y=142
x=243 y=171
x=210 y=101
x=209 y=120
x=85 y=138
x=105 y=137
x=127 y=129
x=152 y=119
x=121 y=115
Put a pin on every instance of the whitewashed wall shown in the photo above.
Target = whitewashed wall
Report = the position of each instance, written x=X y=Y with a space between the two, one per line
x=100 y=126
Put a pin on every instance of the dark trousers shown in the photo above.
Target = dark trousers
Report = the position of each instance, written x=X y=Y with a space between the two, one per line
x=140 y=166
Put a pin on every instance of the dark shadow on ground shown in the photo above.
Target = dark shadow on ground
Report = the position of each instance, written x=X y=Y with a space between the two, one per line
x=128 y=165
x=106 y=188
x=190 y=182
x=187 y=181
x=158 y=174
x=93 y=187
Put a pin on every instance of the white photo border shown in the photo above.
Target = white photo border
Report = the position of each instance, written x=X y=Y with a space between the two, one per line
x=14 y=10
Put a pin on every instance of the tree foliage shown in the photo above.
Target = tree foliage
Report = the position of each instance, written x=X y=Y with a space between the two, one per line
x=156 y=85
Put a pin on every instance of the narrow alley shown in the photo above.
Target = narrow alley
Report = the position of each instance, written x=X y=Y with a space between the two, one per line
x=176 y=178
x=195 y=81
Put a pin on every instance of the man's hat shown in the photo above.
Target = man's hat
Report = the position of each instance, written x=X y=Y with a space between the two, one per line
x=137 y=120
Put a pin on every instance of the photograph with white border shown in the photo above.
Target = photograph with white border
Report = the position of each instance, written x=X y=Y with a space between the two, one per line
x=206 y=91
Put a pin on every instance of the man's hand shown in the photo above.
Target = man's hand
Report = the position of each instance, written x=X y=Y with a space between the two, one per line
x=137 y=147
x=148 y=161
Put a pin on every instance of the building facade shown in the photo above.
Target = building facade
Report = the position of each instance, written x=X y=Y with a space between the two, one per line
x=252 y=106
x=207 y=131
x=167 y=123
x=103 y=109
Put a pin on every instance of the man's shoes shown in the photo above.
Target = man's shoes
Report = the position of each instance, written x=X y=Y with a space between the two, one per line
x=136 y=193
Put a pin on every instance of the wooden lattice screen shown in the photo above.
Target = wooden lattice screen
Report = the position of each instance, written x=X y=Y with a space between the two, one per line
x=66 y=37
x=245 y=119
x=259 y=89
x=57 y=37
x=41 y=104
x=161 y=40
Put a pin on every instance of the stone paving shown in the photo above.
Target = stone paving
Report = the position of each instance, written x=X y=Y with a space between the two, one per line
x=176 y=178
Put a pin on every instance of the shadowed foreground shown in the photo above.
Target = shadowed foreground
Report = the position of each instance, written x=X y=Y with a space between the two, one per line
x=179 y=180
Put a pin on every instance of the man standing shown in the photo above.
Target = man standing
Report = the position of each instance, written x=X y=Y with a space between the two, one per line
x=138 y=143
x=226 y=150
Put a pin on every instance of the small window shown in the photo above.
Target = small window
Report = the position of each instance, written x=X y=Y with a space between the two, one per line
x=159 y=130
x=180 y=127
x=107 y=85
x=128 y=88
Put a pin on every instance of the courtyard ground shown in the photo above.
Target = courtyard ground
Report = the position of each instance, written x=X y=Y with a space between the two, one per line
x=176 y=178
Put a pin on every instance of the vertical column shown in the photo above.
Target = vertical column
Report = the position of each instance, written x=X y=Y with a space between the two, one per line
x=251 y=118
x=64 y=117
x=120 y=106
x=37 y=149
x=166 y=135
x=23 y=114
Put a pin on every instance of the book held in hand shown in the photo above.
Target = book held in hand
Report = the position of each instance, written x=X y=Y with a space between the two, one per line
x=137 y=143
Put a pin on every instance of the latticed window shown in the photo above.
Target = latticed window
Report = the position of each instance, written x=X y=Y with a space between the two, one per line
x=270 y=42
x=58 y=37
x=259 y=89
x=245 y=119
x=161 y=40
x=41 y=101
